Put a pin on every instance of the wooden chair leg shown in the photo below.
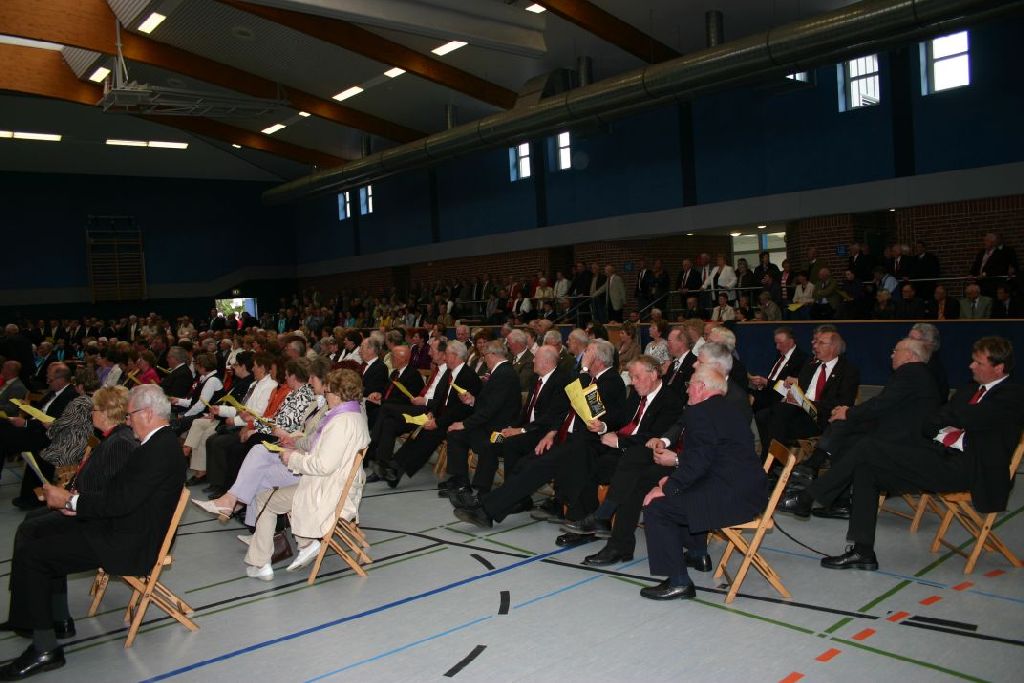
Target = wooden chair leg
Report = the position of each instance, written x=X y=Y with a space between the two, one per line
x=940 y=535
x=98 y=590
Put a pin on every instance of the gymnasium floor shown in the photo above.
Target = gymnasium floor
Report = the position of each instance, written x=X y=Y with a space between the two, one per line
x=443 y=600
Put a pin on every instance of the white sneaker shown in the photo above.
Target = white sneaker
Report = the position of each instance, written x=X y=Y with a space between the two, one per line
x=305 y=556
x=264 y=573
x=244 y=538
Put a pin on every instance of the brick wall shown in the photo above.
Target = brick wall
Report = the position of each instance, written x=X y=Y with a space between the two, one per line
x=823 y=233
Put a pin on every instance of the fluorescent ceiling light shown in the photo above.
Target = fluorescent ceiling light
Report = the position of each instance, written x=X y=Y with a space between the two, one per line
x=535 y=8
x=168 y=145
x=151 y=22
x=394 y=73
x=45 y=137
x=449 y=47
x=236 y=146
x=304 y=114
x=6 y=134
x=27 y=42
x=689 y=234
x=350 y=92
x=273 y=129
x=761 y=227
x=127 y=143
x=735 y=234
x=100 y=74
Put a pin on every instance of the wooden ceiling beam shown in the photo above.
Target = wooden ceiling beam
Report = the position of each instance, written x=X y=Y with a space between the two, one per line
x=356 y=39
x=610 y=28
x=89 y=24
x=33 y=71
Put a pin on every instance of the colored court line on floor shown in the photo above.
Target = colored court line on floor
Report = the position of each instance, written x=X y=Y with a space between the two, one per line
x=909 y=660
x=865 y=634
x=899 y=615
x=828 y=655
x=335 y=622
x=464 y=662
x=931 y=600
x=963 y=586
x=792 y=677
x=994 y=573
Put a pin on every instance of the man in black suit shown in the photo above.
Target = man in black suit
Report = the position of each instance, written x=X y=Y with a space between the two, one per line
x=14 y=346
x=788 y=364
x=717 y=482
x=178 y=381
x=894 y=416
x=644 y=285
x=860 y=264
x=993 y=263
x=497 y=406
x=926 y=270
x=827 y=380
x=688 y=281
x=122 y=530
x=554 y=451
x=1006 y=304
x=375 y=377
x=443 y=410
x=19 y=433
x=683 y=359
x=655 y=408
x=967 y=447
x=908 y=306
x=543 y=411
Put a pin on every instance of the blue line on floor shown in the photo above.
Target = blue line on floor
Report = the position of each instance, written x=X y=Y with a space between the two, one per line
x=560 y=590
x=993 y=595
x=399 y=649
x=360 y=615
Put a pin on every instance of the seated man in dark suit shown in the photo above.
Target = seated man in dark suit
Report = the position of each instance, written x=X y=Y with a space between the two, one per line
x=178 y=381
x=827 y=380
x=788 y=364
x=443 y=410
x=717 y=482
x=497 y=406
x=13 y=387
x=122 y=530
x=683 y=360
x=643 y=465
x=375 y=376
x=555 y=450
x=894 y=416
x=543 y=411
x=967 y=445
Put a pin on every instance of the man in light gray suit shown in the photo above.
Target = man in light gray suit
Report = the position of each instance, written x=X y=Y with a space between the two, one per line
x=12 y=388
x=615 y=293
x=973 y=305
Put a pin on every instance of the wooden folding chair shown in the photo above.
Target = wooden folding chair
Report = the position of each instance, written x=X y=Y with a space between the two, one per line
x=959 y=505
x=441 y=464
x=344 y=533
x=149 y=589
x=918 y=505
x=735 y=540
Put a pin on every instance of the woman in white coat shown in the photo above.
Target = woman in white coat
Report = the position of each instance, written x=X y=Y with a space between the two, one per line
x=323 y=470
x=722 y=278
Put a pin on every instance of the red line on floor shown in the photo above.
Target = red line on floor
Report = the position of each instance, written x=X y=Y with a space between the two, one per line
x=827 y=655
x=963 y=586
x=930 y=601
x=995 y=572
x=898 y=616
x=792 y=678
x=865 y=634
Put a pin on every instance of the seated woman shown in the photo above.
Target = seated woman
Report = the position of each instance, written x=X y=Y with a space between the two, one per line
x=262 y=468
x=723 y=311
x=109 y=406
x=69 y=433
x=628 y=347
x=142 y=369
x=324 y=468
x=657 y=348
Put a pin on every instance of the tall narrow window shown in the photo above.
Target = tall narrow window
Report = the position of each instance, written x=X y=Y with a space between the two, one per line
x=802 y=76
x=519 y=161
x=860 y=83
x=947 y=62
x=344 y=206
x=366 y=200
x=564 y=151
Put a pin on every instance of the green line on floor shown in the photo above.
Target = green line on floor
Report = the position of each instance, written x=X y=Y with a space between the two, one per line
x=509 y=546
x=892 y=591
x=838 y=625
x=751 y=615
x=909 y=660
x=505 y=531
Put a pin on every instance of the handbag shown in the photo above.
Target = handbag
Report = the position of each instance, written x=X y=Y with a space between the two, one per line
x=282 y=547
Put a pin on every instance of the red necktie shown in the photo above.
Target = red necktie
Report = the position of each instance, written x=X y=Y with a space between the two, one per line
x=631 y=426
x=423 y=391
x=777 y=367
x=533 y=401
x=820 y=386
x=391 y=384
x=977 y=395
x=563 y=431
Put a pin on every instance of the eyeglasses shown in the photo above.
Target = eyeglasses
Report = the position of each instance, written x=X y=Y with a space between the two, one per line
x=129 y=414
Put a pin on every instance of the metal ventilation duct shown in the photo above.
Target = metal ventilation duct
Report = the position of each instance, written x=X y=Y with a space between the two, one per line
x=860 y=28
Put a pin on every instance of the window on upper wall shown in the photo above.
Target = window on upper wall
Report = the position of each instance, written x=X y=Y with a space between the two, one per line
x=802 y=76
x=946 y=63
x=344 y=206
x=519 y=161
x=366 y=200
x=859 y=83
x=564 y=150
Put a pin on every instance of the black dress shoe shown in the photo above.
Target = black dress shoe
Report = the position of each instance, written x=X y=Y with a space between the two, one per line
x=464 y=498
x=193 y=480
x=216 y=493
x=665 y=591
x=391 y=477
x=794 y=506
x=851 y=559
x=525 y=505
x=26 y=504
x=7 y=627
x=836 y=511
x=208 y=488
x=701 y=563
x=64 y=629
x=606 y=556
x=373 y=478
x=572 y=540
x=602 y=528
x=32 y=662
x=549 y=510
x=475 y=516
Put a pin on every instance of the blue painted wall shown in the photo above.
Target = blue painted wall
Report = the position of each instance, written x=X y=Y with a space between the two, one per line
x=476 y=197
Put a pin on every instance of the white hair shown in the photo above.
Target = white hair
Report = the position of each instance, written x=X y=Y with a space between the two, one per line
x=151 y=396
x=458 y=348
x=717 y=355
